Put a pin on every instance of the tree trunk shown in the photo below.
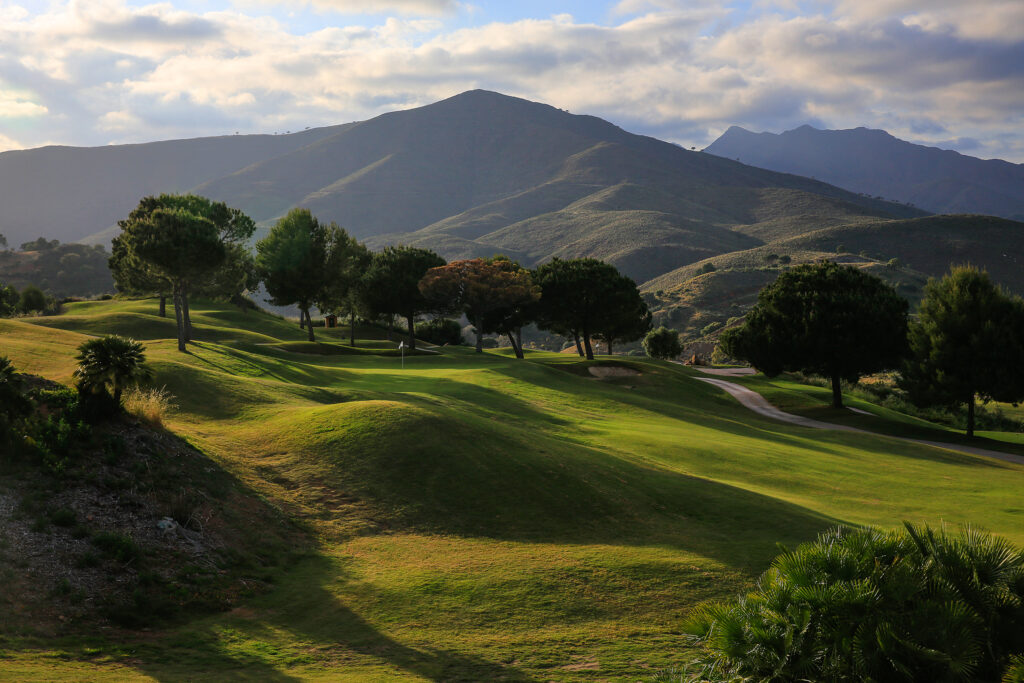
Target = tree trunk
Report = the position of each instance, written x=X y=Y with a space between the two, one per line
x=516 y=346
x=412 y=332
x=391 y=325
x=837 y=392
x=970 y=416
x=163 y=305
x=579 y=347
x=587 y=346
x=352 y=327
x=185 y=313
x=608 y=344
x=179 y=318
x=302 y=319
x=309 y=326
x=519 y=340
x=478 y=323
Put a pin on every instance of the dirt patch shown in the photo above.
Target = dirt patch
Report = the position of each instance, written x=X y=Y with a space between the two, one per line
x=611 y=371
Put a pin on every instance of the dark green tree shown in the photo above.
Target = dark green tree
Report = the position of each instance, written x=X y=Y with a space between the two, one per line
x=9 y=298
x=662 y=343
x=234 y=274
x=181 y=247
x=390 y=286
x=624 y=316
x=824 y=319
x=33 y=300
x=345 y=262
x=517 y=312
x=14 y=405
x=582 y=298
x=133 y=277
x=110 y=365
x=967 y=342
x=291 y=262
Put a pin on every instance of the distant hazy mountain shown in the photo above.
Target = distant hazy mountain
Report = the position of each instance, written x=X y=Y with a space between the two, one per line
x=877 y=164
x=475 y=174
x=69 y=193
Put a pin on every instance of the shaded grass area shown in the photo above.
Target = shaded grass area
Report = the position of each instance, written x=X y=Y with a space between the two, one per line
x=479 y=517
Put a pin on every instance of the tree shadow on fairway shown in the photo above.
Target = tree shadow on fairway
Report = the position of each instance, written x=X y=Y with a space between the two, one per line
x=303 y=626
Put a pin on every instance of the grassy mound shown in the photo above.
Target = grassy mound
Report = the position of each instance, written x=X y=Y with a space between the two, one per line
x=479 y=517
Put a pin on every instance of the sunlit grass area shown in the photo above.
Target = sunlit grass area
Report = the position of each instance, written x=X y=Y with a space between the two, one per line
x=476 y=517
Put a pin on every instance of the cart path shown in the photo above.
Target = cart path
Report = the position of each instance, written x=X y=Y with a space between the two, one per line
x=757 y=403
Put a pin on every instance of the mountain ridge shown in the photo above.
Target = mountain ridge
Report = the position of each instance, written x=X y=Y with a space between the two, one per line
x=877 y=163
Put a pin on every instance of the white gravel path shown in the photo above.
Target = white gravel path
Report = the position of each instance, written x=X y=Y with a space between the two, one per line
x=756 y=402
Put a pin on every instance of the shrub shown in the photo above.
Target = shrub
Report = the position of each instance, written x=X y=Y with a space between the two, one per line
x=710 y=327
x=662 y=343
x=33 y=300
x=116 y=546
x=865 y=604
x=439 y=331
x=149 y=405
x=706 y=268
x=785 y=258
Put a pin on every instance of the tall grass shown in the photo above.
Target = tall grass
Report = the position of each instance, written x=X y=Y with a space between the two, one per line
x=149 y=405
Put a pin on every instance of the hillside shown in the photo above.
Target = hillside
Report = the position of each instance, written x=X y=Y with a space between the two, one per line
x=482 y=172
x=878 y=164
x=475 y=174
x=690 y=299
x=477 y=517
x=70 y=193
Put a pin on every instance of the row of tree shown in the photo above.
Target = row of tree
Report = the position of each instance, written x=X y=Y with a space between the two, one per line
x=967 y=341
x=184 y=245
x=30 y=300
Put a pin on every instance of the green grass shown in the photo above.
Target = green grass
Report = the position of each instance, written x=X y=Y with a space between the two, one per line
x=476 y=516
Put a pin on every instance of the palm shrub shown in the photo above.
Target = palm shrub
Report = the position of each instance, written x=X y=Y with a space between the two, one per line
x=108 y=365
x=865 y=604
x=14 y=405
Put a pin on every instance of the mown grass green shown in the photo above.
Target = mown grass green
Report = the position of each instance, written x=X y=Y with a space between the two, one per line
x=478 y=517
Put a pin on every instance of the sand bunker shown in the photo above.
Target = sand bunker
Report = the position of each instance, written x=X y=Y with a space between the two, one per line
x=606 y=371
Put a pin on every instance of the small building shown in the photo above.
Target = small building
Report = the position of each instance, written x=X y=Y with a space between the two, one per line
x=331 y=320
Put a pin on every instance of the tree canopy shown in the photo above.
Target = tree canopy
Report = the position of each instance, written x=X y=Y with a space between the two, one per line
x=290 y=261
x=203 y=253
x=662 y=343
x=824 y=319
x=967 y=342
x=390 y=285
x=479 y=287
x=582 y=298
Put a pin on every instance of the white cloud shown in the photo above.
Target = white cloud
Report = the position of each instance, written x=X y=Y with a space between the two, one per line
x=405 y=7
x=102 y=71
x=14 y=106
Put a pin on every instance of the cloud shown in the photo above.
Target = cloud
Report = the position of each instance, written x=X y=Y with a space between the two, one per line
x=403 y=7
x=103 y=71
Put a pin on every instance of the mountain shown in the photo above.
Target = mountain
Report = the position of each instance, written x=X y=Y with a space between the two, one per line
x=482 y=172
x=69 y=193
x=471 y=175
x=878 y=164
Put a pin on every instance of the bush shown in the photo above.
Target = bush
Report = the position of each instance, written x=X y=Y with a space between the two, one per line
x=439 y=331
x=33 y=300
x=116 y=546
x=662 y=343
x=710 y=327
x=149 y=405
x=865 y=604
x=706 y=268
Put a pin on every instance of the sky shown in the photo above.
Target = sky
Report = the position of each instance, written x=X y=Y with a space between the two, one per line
x=948 y=73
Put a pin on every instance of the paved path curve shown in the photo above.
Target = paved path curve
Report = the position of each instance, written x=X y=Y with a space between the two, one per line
x=756 y=402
